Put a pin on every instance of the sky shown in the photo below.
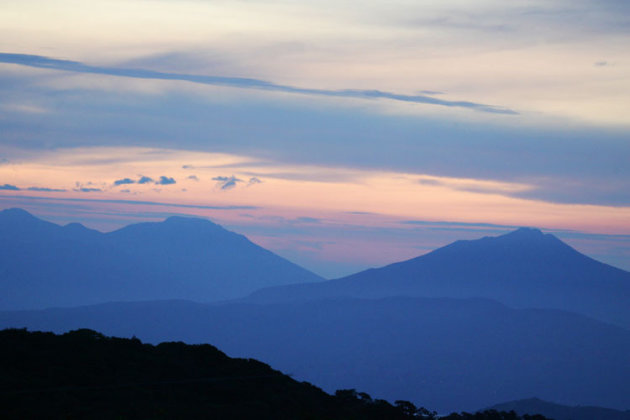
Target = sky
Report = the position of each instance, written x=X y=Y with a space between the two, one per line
x=339 y=134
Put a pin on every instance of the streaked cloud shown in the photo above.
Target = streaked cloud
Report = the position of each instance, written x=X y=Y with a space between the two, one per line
x=46 y=189
x=87 y=189
x=399 y=194
x=240 y=82
x=427 y=223
x=25 y=198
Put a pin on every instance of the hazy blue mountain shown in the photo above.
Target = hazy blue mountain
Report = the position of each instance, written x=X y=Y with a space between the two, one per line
x=43 y=264
x=561 y=412
x=524 y=268
x=446 y=354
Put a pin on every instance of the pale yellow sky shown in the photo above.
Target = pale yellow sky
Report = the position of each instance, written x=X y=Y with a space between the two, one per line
x=525 y=56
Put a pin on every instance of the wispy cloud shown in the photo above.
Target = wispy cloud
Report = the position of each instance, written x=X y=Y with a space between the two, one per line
x=253 y=181
x=226 y=182
x=87 y=190
x=39 y=61
x=305 y=219
x=446 y=224
x=124 y=181
x=130 y=202
x=46 y=189
x=9 y=187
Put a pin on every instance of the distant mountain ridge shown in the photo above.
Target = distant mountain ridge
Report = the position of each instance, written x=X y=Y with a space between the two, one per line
x=445 y=354
x=561 y=412
x=44 y=264
x=524 y=268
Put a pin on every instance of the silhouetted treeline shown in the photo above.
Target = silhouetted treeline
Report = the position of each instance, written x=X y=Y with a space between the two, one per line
x=84 y=374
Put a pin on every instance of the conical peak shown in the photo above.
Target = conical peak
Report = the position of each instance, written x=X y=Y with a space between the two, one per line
x=526 y=236
x=190 y=222
x=16 y=213
x=186 y=219
x=529 y=232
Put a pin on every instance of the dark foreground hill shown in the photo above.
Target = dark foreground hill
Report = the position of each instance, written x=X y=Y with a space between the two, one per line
x=84 y=374
x=562 y=412
x=446 y=354
x=43 y=264
x=525 y=268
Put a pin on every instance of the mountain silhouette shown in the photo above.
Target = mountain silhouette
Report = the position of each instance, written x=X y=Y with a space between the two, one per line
x=561 y=412
x=524 y=268
x=84 y=374
x=445 y=354
x=43 y=264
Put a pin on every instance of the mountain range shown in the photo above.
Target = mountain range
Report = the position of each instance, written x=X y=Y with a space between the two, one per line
x=465 y=326
x=561 y=412
x=446 y=354
x=45 y=265
x=525 y=269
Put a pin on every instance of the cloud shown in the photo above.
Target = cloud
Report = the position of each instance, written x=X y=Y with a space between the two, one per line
x=600 y=63
x=317 y=176
x=445 y=224
x=337 y=137
x=430 y=181
x=9 y=187
x=253 y=181
x=87 y=190
x=226 y=182
x=145 y=180
x=130 y=202
x=39 y=61
x=164 y=180
x=307 y=220
x=613 y=192
x=124 y=181
x=193 y=177
x=44 y=189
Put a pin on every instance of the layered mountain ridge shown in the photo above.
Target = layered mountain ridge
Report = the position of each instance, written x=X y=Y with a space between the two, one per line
x=524 y=268
x=447 y=354
x=44 y=264
x=443 y=329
